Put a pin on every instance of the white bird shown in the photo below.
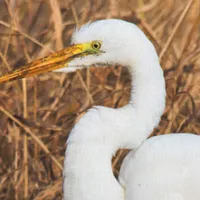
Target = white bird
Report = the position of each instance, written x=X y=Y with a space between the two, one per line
x=164 y=167
x=160 y=168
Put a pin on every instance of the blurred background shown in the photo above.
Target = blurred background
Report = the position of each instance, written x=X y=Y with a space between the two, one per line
x=37 y=114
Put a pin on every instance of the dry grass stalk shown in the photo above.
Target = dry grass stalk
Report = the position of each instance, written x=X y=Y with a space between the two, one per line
x=31 y=154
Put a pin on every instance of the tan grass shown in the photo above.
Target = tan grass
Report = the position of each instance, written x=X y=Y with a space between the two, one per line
x=37 y=115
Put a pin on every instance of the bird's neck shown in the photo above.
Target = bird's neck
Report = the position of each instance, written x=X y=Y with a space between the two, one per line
x=101 y=131
x=88 y=172
x=147 y=102
x=148 y=91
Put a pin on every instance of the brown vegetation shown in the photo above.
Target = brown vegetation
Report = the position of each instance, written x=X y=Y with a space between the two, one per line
x=37 y=114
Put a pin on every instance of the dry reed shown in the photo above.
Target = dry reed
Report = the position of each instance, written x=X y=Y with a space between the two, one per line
x=37 y=114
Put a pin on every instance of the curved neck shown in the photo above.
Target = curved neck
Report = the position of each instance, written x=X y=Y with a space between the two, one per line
x=148 y=91
x=129 y=126
x=101 y=131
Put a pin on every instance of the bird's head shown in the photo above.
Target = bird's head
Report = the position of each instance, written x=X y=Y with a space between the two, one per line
x=112 y=41
x=103 y=42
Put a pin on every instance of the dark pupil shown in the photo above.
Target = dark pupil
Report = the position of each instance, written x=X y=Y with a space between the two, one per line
x=96 y=46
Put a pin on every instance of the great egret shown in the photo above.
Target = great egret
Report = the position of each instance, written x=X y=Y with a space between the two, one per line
x=102 y=131
x=164 y=167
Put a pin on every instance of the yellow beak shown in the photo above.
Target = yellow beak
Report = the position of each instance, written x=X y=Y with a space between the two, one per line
x=54 y=61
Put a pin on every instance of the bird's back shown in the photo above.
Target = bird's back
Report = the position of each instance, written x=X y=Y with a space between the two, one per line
x=164 y=167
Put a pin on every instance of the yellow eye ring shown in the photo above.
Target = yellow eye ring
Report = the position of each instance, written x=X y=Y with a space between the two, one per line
x=96 y=45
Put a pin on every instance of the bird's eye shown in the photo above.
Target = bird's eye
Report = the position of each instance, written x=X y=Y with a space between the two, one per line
x=96 y=45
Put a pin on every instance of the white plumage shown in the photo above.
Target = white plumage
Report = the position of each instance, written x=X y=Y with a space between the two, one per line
x=164 y=167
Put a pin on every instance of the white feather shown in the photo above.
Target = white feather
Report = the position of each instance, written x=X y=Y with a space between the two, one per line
x=102 y=131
